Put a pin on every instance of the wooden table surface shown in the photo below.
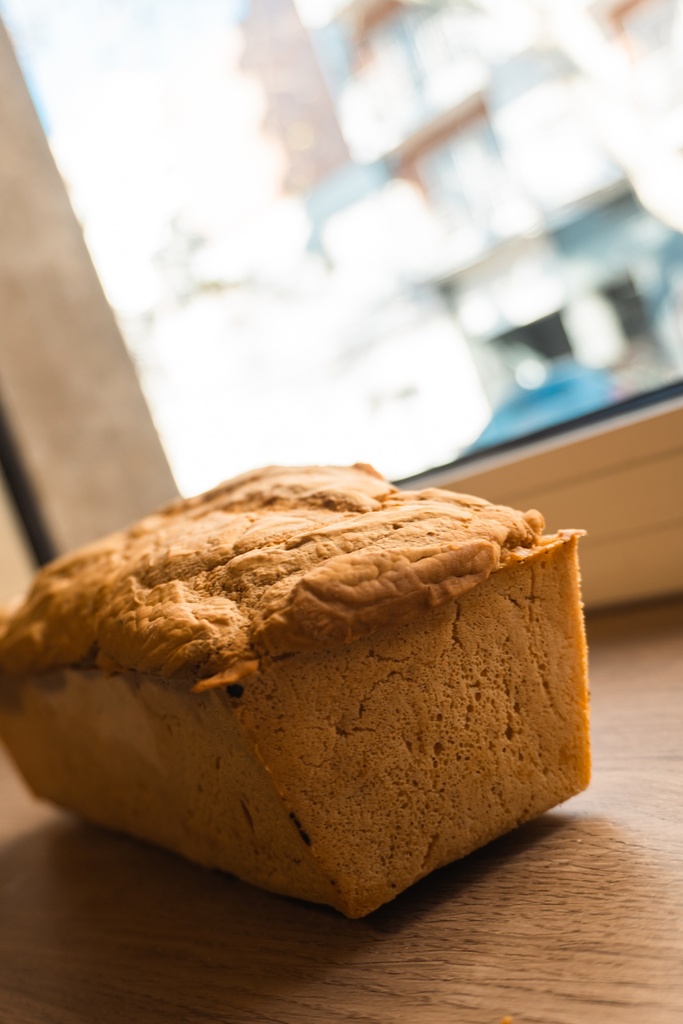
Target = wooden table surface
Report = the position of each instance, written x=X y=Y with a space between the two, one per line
x=576 y=918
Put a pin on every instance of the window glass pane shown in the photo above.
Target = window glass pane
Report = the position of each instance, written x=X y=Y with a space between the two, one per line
x=385 y=231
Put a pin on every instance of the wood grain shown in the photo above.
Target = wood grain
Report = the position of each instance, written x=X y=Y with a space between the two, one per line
x=574 y=919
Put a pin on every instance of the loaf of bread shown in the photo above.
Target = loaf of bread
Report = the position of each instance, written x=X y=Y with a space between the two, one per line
x=308 y=678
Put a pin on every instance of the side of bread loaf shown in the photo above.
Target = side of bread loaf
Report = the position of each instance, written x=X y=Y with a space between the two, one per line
x=371 y=718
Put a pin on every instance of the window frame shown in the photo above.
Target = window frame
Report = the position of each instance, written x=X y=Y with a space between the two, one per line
x=617 y=474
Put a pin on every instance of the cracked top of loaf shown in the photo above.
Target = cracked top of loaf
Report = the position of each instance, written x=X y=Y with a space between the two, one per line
x=271 y=562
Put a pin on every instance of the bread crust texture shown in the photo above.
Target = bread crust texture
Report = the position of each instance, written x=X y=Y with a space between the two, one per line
x=274 y=561
x=323 y=684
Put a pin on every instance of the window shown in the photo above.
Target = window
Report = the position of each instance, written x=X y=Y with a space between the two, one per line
x=330 y=237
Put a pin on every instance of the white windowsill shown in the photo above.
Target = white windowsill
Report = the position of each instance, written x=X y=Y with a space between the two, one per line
x=621 y=481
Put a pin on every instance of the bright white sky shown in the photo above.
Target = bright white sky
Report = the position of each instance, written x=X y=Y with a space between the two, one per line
x=151 y=120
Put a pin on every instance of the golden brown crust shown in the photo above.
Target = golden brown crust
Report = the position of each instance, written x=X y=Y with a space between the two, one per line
x=274 y=561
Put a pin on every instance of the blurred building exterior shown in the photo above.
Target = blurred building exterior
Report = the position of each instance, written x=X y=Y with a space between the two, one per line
x=512 y=147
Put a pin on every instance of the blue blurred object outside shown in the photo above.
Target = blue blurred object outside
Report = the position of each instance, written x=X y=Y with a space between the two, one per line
x=569 y=390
